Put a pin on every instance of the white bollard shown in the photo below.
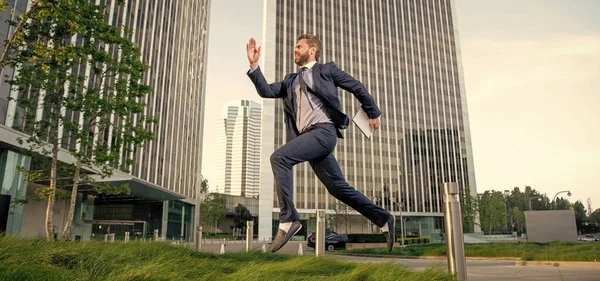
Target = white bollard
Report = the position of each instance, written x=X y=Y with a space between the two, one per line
x=155 y=235
x=222 y=249
x=457 y=263
x=320 y=243
x=249 y=235
x=126 y=236
x=264 y=248
x=300 y=251
x=199 y=239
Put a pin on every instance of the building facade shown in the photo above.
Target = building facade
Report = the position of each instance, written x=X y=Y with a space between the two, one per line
x=407 y=54
x=238 y=149
x=173 y=39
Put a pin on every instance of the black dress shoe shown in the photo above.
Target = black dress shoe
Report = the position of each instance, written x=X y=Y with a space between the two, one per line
x=283 y=237
x=390 y=236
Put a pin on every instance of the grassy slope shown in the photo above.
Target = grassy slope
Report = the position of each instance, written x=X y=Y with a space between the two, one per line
x=28 y=259
x=525 y=251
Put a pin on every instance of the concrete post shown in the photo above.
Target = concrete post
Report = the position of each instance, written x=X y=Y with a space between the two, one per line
x=249 y=235
x=155 y=234
x=106 y=237
x=320 y=242
x=457 y=263
x=112 y=237
x=126 y=236
x=199 y=239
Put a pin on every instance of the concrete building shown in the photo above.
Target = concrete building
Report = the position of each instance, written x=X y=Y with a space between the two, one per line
x=238 y=149
x=173 y=39
x=407 y=53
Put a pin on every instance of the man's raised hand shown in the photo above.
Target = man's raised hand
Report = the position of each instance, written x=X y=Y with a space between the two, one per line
x=374 y=124
x=253 y=52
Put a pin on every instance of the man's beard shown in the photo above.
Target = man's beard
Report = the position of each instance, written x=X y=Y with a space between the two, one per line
x=302 y=59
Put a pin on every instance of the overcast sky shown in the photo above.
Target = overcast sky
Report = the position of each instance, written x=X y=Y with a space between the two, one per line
x=532 y=78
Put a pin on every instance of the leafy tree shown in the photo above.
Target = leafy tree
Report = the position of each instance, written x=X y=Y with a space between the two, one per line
x=213 y=210
x=518 y=220
x=469 y=208
x=580 y=214
x=241 y=216
x=562 y=204
x=52 y=42
x=589 y=207
x=536 y=204
x=203 y=185
x=595 y=216
x=342 y=214
x=492 y=212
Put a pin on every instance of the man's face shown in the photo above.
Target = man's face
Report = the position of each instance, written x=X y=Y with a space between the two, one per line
x=302 y=53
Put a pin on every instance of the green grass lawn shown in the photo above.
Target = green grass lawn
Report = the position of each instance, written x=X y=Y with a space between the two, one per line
x=524 y=251
x=29 y=259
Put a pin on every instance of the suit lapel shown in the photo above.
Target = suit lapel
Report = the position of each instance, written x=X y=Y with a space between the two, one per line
x=290 y=101
x=316 y=73
x=317 y=87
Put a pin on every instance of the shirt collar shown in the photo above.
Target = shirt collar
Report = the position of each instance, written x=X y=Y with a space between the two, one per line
x=310 y=64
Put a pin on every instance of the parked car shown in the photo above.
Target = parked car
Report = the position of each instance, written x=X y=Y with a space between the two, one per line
x=332 y=242
x=589 y=238
x=310 y=240
x=336 y=242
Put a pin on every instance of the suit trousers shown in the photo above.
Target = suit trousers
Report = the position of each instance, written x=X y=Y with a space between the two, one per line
x=316 y=146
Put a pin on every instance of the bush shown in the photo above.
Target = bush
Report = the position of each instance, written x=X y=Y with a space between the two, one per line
x=379 y=238
x=413 y=241
x=366 y=238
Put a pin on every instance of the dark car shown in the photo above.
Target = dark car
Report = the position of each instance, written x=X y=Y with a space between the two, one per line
x=332 y=242
x=310 y=240
x=336 y=242
x=589 y=237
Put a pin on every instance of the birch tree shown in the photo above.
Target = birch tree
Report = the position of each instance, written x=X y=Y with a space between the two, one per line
x=78 y=79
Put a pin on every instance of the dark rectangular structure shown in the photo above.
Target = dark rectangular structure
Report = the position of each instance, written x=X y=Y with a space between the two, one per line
x=550 y=226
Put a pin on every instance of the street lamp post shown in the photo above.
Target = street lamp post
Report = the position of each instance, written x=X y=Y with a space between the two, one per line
x=539 y=198
x=553 y=200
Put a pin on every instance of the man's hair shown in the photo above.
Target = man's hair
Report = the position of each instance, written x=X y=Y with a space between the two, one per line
x=312 y=41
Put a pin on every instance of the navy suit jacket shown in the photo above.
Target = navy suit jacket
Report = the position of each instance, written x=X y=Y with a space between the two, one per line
x=326 y=78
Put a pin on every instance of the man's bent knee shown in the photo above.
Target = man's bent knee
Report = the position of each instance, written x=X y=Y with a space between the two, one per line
x=277 y=158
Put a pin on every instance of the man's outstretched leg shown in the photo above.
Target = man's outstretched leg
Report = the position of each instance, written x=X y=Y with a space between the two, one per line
x=308 y=146
x=330 y=174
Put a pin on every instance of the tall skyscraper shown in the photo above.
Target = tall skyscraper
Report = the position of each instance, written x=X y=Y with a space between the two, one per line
x=238 y=149
x=173 y=39
x=407 y=54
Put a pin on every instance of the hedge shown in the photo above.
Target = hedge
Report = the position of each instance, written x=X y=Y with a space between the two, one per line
x=379 y=238
x=366 y=238
x=412 y=241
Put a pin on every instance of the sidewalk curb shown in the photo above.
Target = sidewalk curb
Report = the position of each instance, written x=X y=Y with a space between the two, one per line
x=427 y=257
x=518 y=261
x=588 y=264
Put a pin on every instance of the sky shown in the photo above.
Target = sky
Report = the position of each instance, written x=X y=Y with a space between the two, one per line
x=532 y=80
